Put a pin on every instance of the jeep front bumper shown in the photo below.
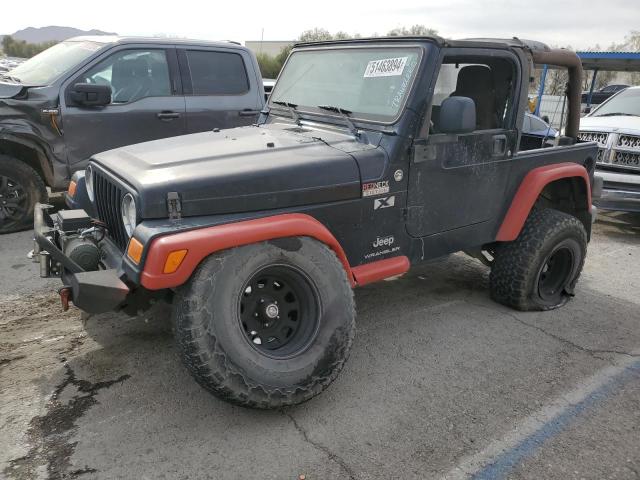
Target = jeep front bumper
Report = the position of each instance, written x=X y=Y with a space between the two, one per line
x=92 y=291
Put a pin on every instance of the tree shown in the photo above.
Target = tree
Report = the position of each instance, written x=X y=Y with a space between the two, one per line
x=269 y=66
x=315 y=35
x=22 y=49
x=413 y=31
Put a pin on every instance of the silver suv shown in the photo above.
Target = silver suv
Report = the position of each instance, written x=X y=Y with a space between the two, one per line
x=615 y=126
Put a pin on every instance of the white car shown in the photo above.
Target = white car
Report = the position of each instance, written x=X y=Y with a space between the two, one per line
x=615 y=126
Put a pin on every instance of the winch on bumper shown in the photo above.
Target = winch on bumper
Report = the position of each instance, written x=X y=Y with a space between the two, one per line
x=67 y=245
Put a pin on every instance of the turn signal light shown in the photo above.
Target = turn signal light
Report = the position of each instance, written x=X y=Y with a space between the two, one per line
x=72 y=189
x=134 y=251
x=174 y=260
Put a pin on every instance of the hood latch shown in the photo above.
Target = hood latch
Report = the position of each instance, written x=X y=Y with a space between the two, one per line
x=174 y=206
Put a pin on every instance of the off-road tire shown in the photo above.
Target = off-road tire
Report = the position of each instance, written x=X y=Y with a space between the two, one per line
x=517 y=270
x=213 y=343
x=32 y=186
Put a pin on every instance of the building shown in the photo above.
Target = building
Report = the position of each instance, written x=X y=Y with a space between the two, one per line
x=270 y=47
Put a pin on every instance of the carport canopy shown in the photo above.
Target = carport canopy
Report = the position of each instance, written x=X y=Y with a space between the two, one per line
x=596 y=61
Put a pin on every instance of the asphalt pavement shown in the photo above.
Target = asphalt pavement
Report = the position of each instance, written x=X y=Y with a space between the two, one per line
x=441 y=383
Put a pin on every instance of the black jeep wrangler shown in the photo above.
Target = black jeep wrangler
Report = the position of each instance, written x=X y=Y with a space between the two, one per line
x=371 y=156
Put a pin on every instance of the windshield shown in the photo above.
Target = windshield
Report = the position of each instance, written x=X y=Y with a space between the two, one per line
x=53 y=62
x=626 y=102
x=369 y=83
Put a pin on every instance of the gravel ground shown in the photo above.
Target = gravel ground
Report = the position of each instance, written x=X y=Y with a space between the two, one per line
x=442 y=383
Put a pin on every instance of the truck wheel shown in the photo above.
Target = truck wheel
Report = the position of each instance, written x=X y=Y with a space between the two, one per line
x=539 y=269
x=266 y=325
x=20 y=188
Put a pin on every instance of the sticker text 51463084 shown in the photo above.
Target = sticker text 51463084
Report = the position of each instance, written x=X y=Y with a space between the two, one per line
x=388 y=67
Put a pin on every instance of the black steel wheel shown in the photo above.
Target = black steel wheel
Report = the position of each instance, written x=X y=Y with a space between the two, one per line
x=20 y=188
x=556 y=272
x=279 y=311
x=539 y=269
x=266 y=325
x=13 y=200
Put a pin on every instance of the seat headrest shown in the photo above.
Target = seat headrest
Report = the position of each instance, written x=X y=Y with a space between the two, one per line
x=474 y=78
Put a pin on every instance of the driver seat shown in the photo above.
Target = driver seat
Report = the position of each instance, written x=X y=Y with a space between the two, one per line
x=476 y=83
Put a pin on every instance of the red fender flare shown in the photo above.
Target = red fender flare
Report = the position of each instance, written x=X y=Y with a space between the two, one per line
x=529 y=191
x=202 y=242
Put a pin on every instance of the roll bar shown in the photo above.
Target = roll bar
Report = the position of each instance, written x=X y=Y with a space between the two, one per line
x=565 y=58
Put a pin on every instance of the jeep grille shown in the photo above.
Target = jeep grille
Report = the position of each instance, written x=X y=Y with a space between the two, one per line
x=108 y=198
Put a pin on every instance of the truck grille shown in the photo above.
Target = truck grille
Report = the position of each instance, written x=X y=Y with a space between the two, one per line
x=629 y=141
x=108 y=197
x=599 y=137
x=626 y=159
x=616 y=149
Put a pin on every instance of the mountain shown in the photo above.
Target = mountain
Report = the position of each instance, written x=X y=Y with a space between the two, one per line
x=53 y=33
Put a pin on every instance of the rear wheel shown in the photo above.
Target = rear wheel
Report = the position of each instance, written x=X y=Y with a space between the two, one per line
x=539 y=270
x=266 y=325
x=20 y=189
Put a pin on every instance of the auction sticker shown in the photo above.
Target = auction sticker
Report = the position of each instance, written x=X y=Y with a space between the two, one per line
x=375 y=188
x=388 y=67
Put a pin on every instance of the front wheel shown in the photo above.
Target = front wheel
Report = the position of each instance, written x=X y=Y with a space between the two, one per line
x=20 y=189
x=266 y=325
x=539 y=269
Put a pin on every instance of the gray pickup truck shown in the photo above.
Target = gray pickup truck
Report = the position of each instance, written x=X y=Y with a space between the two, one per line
x=91 y=94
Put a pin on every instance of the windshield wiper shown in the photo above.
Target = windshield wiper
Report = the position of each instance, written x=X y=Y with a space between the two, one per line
x=345 y=114
x=292 y=109
x=615 y=114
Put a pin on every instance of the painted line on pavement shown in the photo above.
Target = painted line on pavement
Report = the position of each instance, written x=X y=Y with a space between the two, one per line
x=501 y=456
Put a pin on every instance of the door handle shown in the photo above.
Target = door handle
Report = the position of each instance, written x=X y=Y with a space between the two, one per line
x=499 y=145
x=248 y=113
x=168 y=115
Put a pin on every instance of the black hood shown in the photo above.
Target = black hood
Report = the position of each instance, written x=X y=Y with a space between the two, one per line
x=239 y=170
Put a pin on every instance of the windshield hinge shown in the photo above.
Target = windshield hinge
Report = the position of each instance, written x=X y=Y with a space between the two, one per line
x=174 y=206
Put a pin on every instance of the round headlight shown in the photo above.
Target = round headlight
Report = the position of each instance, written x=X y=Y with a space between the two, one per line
x=88 y=181
x=129 y=213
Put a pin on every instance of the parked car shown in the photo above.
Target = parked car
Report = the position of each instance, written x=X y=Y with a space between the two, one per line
x=268 y=86
x=615 y=126
x=599 y=96
x=356 y=171
x=536 y=133
x=8 y=63
x=91 y=94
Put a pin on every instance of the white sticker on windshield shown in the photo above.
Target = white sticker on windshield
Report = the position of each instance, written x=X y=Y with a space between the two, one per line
x=388 y=67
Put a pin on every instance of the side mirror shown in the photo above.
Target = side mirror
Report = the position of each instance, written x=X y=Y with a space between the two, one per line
x=90 y=95
x=457 y=115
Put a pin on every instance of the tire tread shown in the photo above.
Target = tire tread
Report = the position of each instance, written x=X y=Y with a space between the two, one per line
x=515 y=264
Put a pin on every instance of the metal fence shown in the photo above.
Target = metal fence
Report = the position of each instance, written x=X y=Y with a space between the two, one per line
x=551 y=106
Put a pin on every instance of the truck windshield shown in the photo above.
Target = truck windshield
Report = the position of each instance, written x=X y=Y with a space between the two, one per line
x=625 y=103
x=371 y=83
x=47 y=66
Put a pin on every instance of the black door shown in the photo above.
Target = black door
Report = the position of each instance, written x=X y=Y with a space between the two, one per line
x=459 y=180
x=219 y=91
x=146 y=103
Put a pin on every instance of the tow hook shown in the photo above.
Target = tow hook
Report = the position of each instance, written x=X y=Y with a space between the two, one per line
x=65 y=294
